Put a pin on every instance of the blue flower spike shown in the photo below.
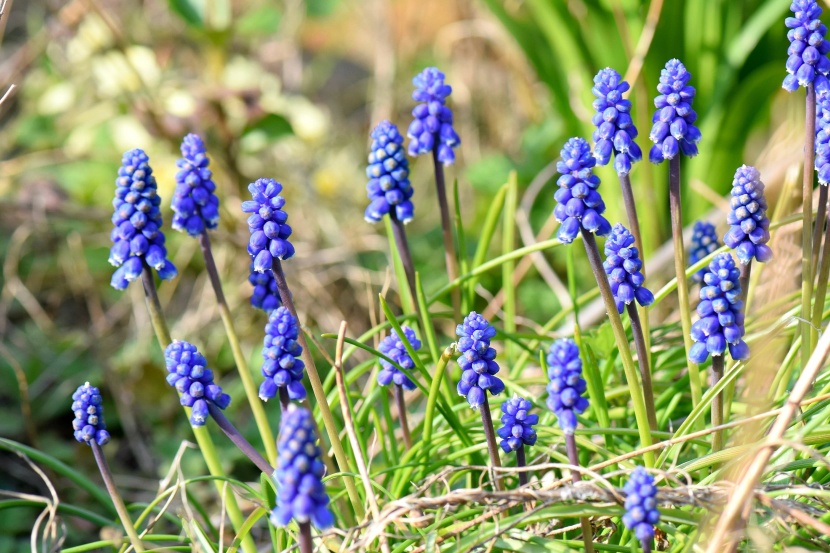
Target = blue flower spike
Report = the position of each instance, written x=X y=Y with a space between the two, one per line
x=823 y=131
x=282 y=366
x=808 y=48
x=673 y=130
x=622 y=265
x=300 y=492
x=615 y=132
x=721 y=322
x=431 y=127
x=566 y=387
x=477 y=360
x=195 y=204
x=392 y=346
x=267 y=224
x=517 y=424
x=266 y=295
x=748 y=232
x=704 y=242
x=188 y=373
x=137 y=237
x=578 y=203
x=641 y=513
x=388 y=189
x=89 y=416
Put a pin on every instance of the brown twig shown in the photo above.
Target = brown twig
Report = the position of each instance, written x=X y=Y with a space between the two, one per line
x=757 y=463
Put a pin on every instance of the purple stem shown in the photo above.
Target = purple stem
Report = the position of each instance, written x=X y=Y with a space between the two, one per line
x=490 y=434
x=446 y=226
x=576 y=477
x=521 y=461
x=305 y=538
x=401 y=404
x=238 y=440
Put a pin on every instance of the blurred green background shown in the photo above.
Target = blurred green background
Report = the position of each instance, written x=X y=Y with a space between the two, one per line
x=290 y=90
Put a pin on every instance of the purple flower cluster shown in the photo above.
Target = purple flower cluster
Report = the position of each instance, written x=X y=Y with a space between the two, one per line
x=641 y=512
x=517 y=424
x=566 y=386
x=477 y=360
x=392 y=346
x=137 y=237
x=432 y=124
x=189 y=374
x=300 y=492
x=808 y=48
x=622 y=265
x=388 y=171
x=281 y=352
x=615 y=129
x=673 y=127
x=89 y=416
x=266 y=294
x=748 y=232
x=704 y=242
x=267 y=224
x=721 y=322
x=195 y=205
x=823 y=130
x=578 y=203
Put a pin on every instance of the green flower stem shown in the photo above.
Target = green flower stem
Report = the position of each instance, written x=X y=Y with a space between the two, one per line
x=644 y=362
x=320 y=395
x=401 y=404
x=434 y=392
x=406 y=258
x=680 y=272
x=622 y=345
x=717 y=403
x=251 y=392
x=746 y=271
x=521 y=462
x=239 y=441
x=203 y=439
x=446 y=227
x=507 y=270
x=305 y=538
x=576 y=477
x=490 y=434
x=123 y=514
x=823 y=275
x=807 y=333
x=821 y=216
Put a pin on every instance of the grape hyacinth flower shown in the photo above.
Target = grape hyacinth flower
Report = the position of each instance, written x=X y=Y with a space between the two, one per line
x=822 y=162
x=808 y=47
x=266 y=294
x=388 y=174
x=566 y=386
x=267 y=224
x=300 y=492
x=194 y=202
x=641 y=512
x=189 y=374
x=748 y=232
x=137 y=237
x=622 y=265
x=89 y=416
x=704 y=242
x=674 y=130
x=578 y=203
x=392 y=346
x=283 y=367
x=615 y=129
x=477 y=360
x=517 y=424
x=432 y=127
x=721 y=322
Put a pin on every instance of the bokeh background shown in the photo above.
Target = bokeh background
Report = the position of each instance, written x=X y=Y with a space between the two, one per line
x=290 y=90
